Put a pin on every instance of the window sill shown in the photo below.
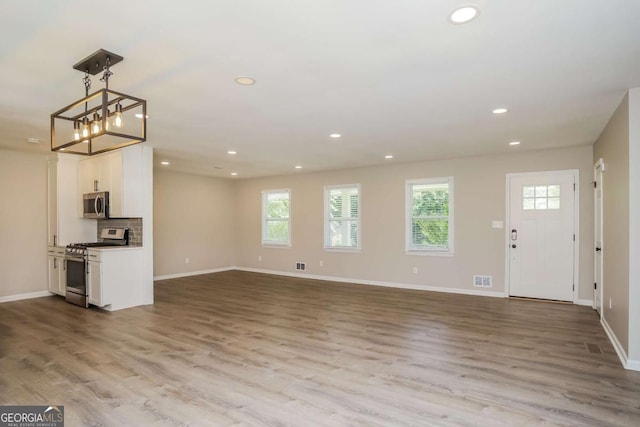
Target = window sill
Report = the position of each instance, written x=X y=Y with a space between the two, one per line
x=276 y=246
x=430 y=253
x=343 y=250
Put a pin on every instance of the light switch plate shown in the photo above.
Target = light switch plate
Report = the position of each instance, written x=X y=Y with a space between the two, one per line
x=497 y=224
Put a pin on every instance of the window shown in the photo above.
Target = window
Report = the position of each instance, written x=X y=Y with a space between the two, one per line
x=276 y=211
x=540 y=197
x=342 y=217
x=430 y=216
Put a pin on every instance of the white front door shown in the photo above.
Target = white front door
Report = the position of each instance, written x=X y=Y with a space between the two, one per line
x=541 y=235
x=597 y=216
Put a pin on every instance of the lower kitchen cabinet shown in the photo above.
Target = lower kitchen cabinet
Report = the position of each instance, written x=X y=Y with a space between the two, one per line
x=114 y=276
x=94 y=282
x=57 y=267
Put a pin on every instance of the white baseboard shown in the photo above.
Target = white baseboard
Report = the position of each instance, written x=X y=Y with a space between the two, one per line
x=193 y=273
x=633 y=365
x=586 y=302
x=376 y=283
x=622 y=355
x=29 y=295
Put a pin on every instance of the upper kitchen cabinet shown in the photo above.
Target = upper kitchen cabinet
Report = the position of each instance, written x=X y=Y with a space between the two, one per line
x=95 y=174
x=118 y=172
x=63 y=224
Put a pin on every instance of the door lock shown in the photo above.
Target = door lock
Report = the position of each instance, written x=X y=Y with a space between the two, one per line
x=598 y=249
x=513 y=246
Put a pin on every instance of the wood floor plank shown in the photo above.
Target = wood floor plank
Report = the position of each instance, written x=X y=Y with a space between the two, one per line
x=238 y=348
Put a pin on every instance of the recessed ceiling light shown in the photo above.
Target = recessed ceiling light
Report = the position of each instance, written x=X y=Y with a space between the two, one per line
x=234 y=173
x=335 y=135
x=464 y=14
x=165 y=163
x=232 y=153
x=243 y=80
x=514 y=143
x=499 y=110
x=139 y=115
x=298 y=167
x=389 y=156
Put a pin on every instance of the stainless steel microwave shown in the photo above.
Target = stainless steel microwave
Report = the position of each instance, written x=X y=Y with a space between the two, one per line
x=96 y=205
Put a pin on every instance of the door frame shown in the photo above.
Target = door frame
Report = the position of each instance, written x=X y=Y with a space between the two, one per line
x=576 y=226
x=599 y=280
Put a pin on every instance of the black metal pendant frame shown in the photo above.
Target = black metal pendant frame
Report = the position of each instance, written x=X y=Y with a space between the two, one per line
x=88 y=145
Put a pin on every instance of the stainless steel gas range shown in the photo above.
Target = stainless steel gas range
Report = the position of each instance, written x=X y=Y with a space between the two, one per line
x=76 y=259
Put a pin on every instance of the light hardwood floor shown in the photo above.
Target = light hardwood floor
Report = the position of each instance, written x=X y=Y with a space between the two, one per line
x=238 y=348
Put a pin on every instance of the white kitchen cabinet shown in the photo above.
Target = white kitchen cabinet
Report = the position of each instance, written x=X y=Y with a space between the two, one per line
x=115 y=277
x=52 y=203
x=94 y=281
x=57 y=267
x=118 y=172
x=63 y=225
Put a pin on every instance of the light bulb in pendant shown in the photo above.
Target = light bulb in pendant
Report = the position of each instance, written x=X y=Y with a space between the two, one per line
x=85 y=127
x=76 y=131
x=117 y=121
x=95 y=126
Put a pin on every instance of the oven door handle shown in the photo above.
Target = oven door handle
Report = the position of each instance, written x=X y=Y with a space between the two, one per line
x=72 y=258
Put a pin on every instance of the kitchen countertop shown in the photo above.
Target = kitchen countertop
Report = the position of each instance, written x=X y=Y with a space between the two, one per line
x=114 y=248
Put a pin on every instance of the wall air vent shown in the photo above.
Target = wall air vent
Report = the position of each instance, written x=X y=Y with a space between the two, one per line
x=482 y=281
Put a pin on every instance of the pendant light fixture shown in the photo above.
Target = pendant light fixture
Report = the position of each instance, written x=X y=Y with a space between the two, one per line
x=102 y=121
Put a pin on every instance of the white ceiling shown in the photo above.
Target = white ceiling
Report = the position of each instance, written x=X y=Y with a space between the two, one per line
x=390 y=76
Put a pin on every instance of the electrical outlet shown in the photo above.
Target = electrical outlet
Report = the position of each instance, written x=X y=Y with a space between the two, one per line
x=610 y=304
x=259 y=257
x=415 y=270
x=187 y=260
x=321 y=263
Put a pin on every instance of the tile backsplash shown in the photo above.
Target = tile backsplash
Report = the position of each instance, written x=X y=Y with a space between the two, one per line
x=133 y=224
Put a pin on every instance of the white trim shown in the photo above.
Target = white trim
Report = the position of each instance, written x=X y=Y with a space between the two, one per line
x=193 y=273
x=410 y=249
x=576 y=225
x=633 y=365
x=272 y=243
x=429 y=253
x=622 y=355
x=585 y=302
x=599 y=280
x=376 y=283
x=29 y=295
x=327 y=234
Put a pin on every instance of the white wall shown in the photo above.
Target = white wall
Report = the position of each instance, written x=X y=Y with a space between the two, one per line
x=613 y=147
x=23 y=222
x=193 y=218
x=479 y=199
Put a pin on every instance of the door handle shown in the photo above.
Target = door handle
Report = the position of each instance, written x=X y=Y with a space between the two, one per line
x=598 y=249
x=514 y=234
